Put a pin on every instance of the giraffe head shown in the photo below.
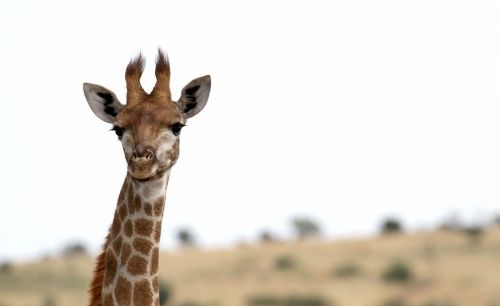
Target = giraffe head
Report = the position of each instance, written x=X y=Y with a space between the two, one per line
x=148 y=125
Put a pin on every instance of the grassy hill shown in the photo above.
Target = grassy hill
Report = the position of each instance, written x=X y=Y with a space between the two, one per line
x=423 y=269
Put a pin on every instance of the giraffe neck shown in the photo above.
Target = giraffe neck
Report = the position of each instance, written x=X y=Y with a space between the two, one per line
x=131 y=250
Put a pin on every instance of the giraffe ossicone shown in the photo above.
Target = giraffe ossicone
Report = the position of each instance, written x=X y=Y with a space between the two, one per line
x=148 y=126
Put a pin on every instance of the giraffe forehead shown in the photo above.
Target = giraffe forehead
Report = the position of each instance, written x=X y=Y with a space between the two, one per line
x=149 y=114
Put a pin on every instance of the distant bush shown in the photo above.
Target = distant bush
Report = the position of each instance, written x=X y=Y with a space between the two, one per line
x=264 y=300
x=305 y=228
x=391 y=226
x=452 y=223
x=74 y=249
x=185 y=237
x=190 y=303
x=394 y=302
x=496 y=220
x=49 y=300
x=474 y=233
x=165 y=293
x=266 y=237
x=397 y=271
x=346 y=270
x=293 y=300
x=439 y=303
x=5 y=267
x=285 y=262
x=193 y=303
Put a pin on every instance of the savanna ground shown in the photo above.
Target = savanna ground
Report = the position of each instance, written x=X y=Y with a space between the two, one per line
x=428 y=269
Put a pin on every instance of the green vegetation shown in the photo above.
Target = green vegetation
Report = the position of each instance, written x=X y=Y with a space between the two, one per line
x=5 y=267
x=394 y=302
x=345 y=270
x=474 y=234
x=193 y=303
x=49 y=300
x=496 y=220
x=305 y=228
x=165 y=293
x=438 y=303
x=397 y=271
x=391 y=226
x=285 y=262
x=293 y=300
x=74 y=249
x=266 y=237
x=190 y=303
x=186 y=238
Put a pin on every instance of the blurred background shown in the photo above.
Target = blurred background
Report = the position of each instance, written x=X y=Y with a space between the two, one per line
x=348 y=154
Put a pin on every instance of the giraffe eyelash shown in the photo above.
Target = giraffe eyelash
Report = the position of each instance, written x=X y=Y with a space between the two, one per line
x=118 y=130
x=176 y=128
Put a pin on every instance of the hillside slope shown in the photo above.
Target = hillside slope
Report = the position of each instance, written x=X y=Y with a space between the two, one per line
x=438 y=268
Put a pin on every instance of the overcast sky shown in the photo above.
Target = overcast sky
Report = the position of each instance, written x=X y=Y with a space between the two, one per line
x=344 y=111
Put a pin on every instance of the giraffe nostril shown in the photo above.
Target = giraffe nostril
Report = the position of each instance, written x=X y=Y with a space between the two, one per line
x=142 y=154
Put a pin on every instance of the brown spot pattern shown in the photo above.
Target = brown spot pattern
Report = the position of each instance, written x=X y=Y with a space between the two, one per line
x=117 y=244
x=137 y=203
x=121 y=197
x=123 y=291
x=148 y=209
x=156 y=286
x=122 y=211
x=157 y=231
x=115 y=228
x=111 y=267
x=129 y=228
x=142 y=293
x=175 y=152
x=137 y=265
x=158 y=206
x=143 y=227
x=154 y=261
x=142 y=245
x=126 y=250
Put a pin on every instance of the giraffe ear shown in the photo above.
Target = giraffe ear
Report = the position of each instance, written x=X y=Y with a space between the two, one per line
x=103 y=102
x=194 y=96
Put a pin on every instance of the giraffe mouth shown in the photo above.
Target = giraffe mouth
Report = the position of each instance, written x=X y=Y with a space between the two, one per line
x=143 y=169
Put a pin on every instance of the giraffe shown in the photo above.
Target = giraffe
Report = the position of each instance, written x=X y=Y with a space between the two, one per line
x=148 y=126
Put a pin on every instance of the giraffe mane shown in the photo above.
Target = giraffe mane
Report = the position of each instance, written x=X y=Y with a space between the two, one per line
x=95 y=289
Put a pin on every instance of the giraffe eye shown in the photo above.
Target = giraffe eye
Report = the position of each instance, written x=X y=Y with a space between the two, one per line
x=176 y=128
x=119 y=131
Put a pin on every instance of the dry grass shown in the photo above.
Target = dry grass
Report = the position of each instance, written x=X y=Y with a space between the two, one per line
x=445 y=265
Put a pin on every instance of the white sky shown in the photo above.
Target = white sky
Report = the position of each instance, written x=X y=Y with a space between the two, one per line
x=345 y=111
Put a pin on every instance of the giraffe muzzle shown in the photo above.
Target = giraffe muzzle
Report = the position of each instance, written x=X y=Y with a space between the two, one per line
x=142 y=163
x=143 y=154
